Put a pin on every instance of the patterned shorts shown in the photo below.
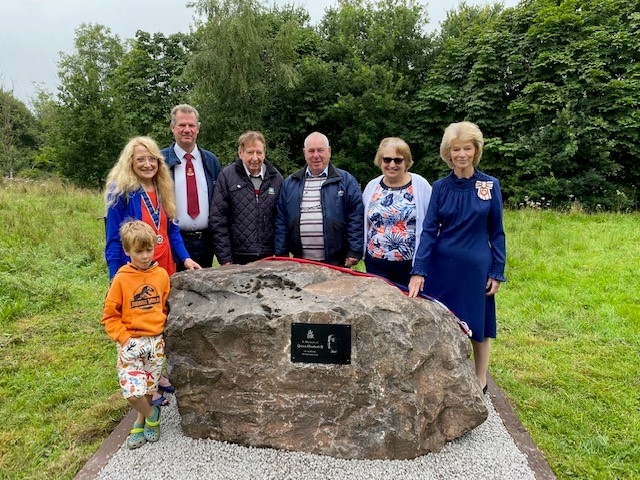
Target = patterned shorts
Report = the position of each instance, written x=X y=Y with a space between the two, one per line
x=140 y=365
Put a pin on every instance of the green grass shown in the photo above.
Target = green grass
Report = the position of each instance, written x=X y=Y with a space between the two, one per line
x=567 y=352
x=58 y=399
x=569 y=339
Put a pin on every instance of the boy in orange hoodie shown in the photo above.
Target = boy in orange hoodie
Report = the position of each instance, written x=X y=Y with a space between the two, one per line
x=135 y=311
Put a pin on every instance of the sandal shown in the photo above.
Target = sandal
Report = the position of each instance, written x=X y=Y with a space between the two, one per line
x=165 y=388
x=137 y=437
x=161 y=401
x=152 y=427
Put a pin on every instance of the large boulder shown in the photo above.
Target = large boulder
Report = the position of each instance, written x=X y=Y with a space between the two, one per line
x=401 y=386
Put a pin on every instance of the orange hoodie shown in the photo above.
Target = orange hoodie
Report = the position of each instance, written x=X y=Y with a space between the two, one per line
x=136 y=303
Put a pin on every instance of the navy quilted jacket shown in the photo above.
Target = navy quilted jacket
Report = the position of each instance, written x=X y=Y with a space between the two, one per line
x=243 y=223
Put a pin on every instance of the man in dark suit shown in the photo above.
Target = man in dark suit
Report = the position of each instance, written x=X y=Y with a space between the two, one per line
x=194 y=171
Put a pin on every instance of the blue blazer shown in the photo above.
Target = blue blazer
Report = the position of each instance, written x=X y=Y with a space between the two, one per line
x=128 y=207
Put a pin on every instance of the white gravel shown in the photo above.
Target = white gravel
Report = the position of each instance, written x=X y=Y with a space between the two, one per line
x=488 y=452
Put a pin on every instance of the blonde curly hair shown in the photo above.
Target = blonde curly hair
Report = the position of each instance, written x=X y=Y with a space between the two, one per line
x=401 y=147
x=122 y=180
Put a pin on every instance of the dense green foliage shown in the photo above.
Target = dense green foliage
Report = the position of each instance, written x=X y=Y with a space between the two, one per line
x=566 y=353
x=86 y=130
x=19 y=136
x=149 y=82
x=244 y=65
x=553 y=84
x=554 y=87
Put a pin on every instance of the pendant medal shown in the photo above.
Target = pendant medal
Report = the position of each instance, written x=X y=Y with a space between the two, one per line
x=484 y=190
x=154 y=213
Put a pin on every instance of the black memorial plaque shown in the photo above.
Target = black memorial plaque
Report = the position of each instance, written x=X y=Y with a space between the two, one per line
x=321 y=343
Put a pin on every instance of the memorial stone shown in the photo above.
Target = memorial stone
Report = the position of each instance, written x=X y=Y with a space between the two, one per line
x=305 y=358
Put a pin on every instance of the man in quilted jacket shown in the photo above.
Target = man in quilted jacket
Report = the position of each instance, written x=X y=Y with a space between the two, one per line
x=244 y=204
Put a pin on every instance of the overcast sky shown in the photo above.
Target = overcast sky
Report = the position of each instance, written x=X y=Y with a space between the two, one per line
x=34 y=32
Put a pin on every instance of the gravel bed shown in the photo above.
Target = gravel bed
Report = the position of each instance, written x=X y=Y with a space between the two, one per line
x=488 y=452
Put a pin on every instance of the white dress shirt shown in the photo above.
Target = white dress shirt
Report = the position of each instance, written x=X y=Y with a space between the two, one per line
x=201 y=222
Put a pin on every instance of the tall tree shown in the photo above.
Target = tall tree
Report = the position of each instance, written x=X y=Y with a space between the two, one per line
x=89 y=126
x=555 y=100
x=465 y=81
x=375 y=56
x=246 y=54
x=149 y=82
x=578 y=64
x=19 y=135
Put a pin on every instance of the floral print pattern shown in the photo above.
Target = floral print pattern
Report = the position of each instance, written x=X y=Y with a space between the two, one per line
x=391 y=233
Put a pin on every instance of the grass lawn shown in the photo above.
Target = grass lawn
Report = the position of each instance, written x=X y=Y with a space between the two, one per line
x=568 y=344
x=567 y=352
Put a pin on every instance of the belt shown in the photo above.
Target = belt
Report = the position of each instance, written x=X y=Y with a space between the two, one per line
x=194 y=234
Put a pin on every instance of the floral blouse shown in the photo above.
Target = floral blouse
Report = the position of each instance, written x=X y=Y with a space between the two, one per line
x=391 y=231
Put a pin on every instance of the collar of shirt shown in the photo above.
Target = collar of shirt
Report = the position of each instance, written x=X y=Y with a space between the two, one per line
x=263 y=170
x=324 y=173
x=180 y=153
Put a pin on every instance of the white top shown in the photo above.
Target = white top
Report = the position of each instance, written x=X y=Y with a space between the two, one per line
x=185 y=222
x=311 y=221
x=422 y=193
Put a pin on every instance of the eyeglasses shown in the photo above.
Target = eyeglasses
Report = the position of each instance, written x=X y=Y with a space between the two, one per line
x=396 y=160
x=143 y=160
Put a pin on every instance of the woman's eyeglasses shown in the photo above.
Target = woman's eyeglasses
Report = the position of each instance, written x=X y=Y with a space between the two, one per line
x=143 y=160
x=396 y=160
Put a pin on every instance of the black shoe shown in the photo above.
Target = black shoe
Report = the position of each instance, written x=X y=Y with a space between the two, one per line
x=484 y=390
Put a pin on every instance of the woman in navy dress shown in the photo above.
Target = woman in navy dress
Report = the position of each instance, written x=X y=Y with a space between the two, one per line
x=461 y=257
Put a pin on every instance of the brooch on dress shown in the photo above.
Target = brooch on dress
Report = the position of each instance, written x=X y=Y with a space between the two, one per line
x=484 y=190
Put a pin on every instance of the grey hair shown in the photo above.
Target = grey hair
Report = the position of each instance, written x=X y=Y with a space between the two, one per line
x=184 y=108
x=321 y=135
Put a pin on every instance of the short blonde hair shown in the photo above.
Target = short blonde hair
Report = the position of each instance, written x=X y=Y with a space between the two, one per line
x=137 y=235
x=462 y=132
x=184 y=108
x=401 y=147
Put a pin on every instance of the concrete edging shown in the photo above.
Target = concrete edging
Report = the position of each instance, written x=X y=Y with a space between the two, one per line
x=520 y=435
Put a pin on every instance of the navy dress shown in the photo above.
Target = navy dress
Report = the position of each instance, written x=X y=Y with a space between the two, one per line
x=462 y=245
